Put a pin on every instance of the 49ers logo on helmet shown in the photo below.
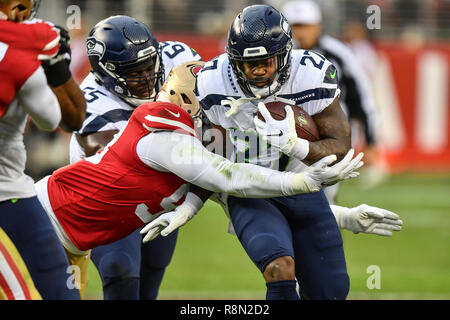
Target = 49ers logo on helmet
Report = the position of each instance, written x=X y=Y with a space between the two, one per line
x=195 y=69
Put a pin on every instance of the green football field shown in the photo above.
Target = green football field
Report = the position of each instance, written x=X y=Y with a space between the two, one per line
x=209 y=263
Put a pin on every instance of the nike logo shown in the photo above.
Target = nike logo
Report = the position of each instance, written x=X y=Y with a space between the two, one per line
x=332 y=75
x=279 y=134
x=176 y=115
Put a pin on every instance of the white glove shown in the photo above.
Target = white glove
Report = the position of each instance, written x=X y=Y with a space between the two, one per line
x=168 y=222
x=320 y=174
x=235 y=104
x=367 y=219
x=280 y=133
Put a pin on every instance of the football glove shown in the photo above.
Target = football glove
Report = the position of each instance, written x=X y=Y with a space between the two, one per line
x=281 y=133
x=57 y=68
x=321 y=174
x=234 y=104
x=170 y=221
x=367 y=219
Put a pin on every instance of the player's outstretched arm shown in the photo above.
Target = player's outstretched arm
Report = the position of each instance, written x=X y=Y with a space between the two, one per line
x=186 y=157
x=367 y=219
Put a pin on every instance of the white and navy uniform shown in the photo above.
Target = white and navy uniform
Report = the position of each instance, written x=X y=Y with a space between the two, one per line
x=106 y=111
x=140 y=277
x=301 y=226
x=310 y=86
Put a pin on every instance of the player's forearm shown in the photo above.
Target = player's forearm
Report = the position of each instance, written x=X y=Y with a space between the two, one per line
x=201 y=193
x=217 y=174
x=187 y=158
x=325 y=147
x=40 y=102
x=73 y=105
x=334 y=131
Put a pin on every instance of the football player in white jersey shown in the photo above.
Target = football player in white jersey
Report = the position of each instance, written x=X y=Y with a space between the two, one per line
x=288 y=238
x=129 y=66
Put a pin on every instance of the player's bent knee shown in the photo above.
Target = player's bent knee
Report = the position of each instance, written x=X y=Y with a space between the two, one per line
x=282 y=268
x=118 y=265
x=338 y=289
x=334 y=288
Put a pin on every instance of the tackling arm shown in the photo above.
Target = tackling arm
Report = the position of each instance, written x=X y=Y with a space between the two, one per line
x=186 y=157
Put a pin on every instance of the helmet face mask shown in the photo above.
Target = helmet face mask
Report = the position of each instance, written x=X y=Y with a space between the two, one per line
x=247 y=67
x=260 y=35
x=126 y=58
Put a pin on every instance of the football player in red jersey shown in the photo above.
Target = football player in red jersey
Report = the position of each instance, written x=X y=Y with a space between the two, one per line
x=148 y=167
x=30 y=258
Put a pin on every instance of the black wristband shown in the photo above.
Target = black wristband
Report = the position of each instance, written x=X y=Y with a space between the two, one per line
x=57 y=74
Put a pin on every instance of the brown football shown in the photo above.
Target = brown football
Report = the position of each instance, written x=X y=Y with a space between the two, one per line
x=305 y=126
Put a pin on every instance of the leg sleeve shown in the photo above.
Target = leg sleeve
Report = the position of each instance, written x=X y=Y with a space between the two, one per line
x=156 y=256
x=319 y=254
x=118 y=264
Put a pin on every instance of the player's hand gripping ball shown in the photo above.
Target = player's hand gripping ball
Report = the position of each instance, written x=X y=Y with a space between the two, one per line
x=304 y=125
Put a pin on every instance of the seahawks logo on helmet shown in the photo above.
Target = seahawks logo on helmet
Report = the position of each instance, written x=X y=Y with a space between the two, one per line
x=95 y=47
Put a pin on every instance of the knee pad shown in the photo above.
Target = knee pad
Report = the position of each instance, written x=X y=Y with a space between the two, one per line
x=336 y=287
x=118 y=265
x=264 y=248
x=158 y=253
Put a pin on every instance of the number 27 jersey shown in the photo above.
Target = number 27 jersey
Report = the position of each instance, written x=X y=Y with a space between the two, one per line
x=105 y=197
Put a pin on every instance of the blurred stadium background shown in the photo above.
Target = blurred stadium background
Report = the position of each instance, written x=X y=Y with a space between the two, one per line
x=407 y=60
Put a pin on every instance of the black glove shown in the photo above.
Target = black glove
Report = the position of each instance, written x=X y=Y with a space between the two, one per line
x=57 y=68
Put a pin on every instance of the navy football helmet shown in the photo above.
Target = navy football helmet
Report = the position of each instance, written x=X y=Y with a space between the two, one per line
x=260 y=35
x=126 y=58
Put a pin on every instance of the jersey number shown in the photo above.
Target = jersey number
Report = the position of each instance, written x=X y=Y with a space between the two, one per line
x=307 y=56
x=92 y=94
x=212 y=65
x=3 y=49
x=176 y=48
x=167 y=204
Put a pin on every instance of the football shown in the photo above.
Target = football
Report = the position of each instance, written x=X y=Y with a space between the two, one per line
x=305 y=126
